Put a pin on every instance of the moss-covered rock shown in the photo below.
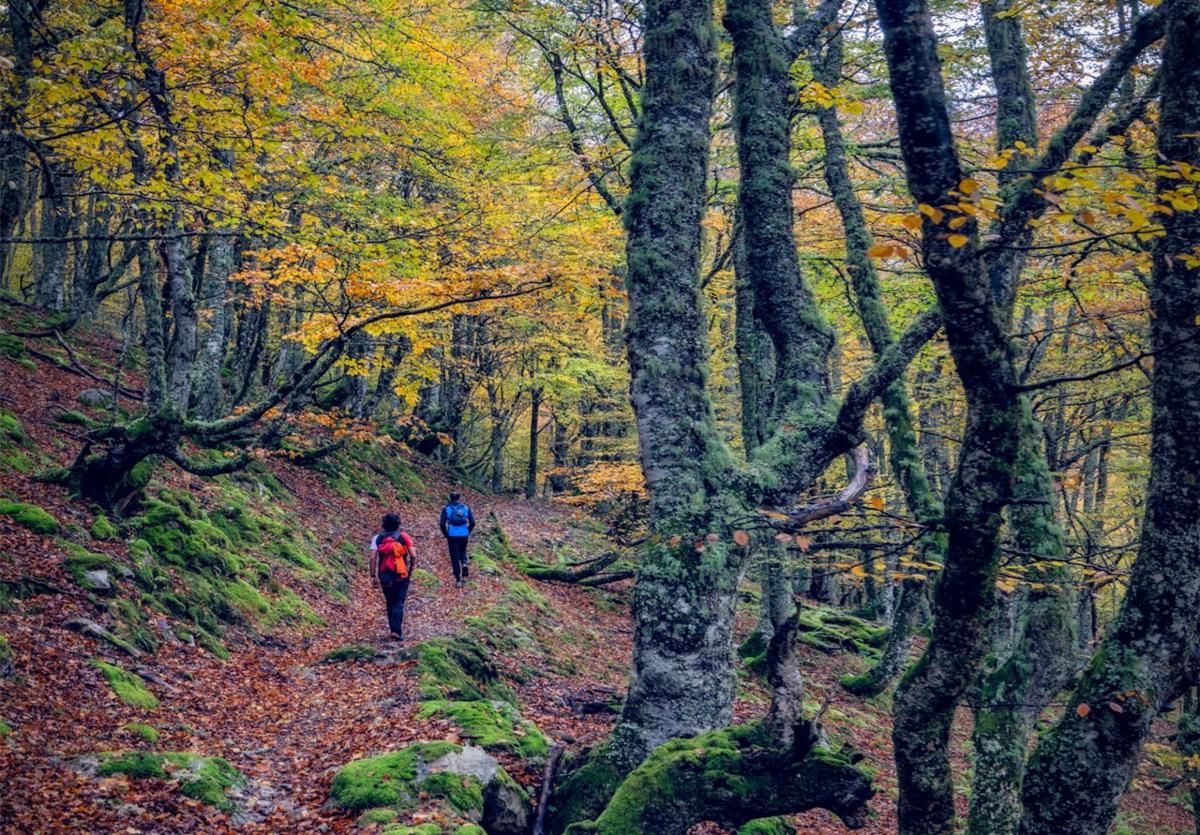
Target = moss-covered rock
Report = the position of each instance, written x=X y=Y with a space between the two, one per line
x=5 y=729
x=147 y=733
x=463 y=783
x=353 y=652
x=587 y=782
x=494 y=725
x=391 y=779
x=418 y=829
x=31 y=516
x=207 y=779
x=103 y=529
x=127 y=687
x=455 y=668
x=91 y=571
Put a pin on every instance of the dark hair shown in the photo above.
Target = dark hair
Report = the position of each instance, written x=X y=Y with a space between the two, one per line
x=391 y=521
x=454 y=497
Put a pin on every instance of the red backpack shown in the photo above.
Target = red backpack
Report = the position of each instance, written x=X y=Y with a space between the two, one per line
x=393 y=552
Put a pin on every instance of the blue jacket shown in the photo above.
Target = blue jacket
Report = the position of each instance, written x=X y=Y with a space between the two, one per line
x=456 y=530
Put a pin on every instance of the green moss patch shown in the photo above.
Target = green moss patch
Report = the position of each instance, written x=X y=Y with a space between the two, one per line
x=424 y=578
x=103 y=529
x=767 y=826
x=493 y=725
x=148 y=733
x=31 y=516
x=386 y=780
x=127 y=687
x=830 y=630
x=206 y=779
x=221 y=561
x=353 y=652
x=11 y=346
x=455 y=668
x=377 y=816
x=12 y=440
x=6 y=657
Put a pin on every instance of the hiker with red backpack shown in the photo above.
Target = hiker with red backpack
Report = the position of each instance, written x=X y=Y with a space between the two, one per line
x=392 y=561
x=456 y=523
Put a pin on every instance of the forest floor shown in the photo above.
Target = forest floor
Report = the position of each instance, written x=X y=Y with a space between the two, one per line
x=288 y=721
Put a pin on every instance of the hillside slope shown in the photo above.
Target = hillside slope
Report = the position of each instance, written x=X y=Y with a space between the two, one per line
x=272 y=710
x=258 y=652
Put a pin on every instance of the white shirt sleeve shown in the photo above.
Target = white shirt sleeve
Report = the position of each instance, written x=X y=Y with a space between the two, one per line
x=374 y=543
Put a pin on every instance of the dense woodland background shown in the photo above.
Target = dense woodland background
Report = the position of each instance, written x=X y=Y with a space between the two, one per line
x=892 y=309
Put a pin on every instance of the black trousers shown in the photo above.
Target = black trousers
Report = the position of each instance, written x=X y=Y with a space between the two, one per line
x=458 y=555
x=395 y=592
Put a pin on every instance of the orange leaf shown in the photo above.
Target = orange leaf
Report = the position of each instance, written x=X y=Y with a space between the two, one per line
x=803 y=543
x=741 y=538
x=958 y=241
x=880 y=251
x=875 y=502
x=1083 y=710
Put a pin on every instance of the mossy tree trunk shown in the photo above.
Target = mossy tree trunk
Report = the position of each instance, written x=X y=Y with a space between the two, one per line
x=683 y=597
x=1083 y=765
x=1026 y=674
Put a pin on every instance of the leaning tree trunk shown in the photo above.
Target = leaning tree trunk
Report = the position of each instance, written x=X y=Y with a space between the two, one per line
x=905 y=459
x=1083 y=765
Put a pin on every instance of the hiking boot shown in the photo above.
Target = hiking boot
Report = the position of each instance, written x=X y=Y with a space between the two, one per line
x=396 y=637
x=466 y=570
x=458 y=584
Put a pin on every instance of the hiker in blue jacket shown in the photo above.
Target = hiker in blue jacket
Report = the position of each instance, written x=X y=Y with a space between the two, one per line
x=456 y=523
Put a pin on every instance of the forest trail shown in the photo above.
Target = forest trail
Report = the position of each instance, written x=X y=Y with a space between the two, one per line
x=273 y=710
